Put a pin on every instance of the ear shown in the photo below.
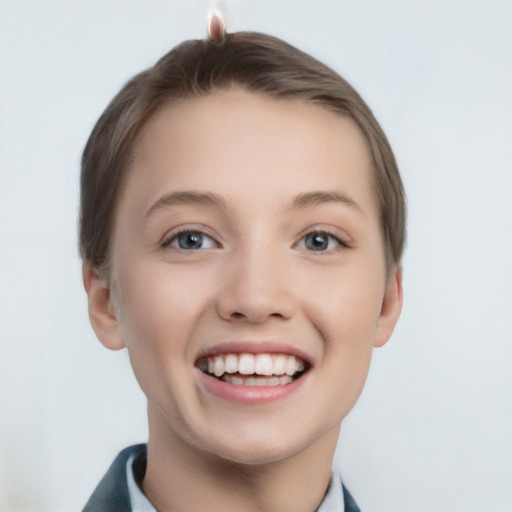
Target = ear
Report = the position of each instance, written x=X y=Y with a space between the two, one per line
x=101 y=309
x=391 y=307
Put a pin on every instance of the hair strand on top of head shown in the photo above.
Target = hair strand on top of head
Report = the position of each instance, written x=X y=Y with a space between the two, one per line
x=217 y=34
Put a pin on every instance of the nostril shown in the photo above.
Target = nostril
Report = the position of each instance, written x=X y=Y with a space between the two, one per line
x=255 y=316
x=242 y=302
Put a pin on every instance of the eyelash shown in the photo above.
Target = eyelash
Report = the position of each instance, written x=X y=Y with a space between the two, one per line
x=174 y=237
x=340 y=243
x=168 y=241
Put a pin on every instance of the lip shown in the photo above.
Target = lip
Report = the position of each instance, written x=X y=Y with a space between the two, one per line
x=243 y=394
x=248 y=394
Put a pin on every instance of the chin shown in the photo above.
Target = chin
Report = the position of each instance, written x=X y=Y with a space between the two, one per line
x=257 y=455
x=256 y=451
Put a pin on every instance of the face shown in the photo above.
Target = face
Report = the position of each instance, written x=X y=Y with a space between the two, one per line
x=248 y=276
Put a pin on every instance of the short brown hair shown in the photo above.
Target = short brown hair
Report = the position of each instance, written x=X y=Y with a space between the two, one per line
x=196 y=68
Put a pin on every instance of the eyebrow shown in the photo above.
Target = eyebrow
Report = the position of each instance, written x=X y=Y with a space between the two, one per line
x=319 y=197
x=305 y=200
x=186 y=197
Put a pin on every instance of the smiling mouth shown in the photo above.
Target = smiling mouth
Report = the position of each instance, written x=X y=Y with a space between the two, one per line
x=247 y=369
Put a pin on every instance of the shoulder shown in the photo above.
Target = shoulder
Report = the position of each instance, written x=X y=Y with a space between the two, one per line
x=350 y=504
x=111 y=494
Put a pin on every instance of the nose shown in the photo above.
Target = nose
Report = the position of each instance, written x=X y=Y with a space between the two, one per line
x=256 y=287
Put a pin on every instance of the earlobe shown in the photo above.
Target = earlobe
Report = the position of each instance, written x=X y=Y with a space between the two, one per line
x=101 y=311
x=391 y=308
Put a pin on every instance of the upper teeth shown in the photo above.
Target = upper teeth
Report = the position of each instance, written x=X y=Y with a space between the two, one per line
x=248 y=364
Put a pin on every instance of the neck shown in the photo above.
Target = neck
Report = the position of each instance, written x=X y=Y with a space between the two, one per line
x=181 y=478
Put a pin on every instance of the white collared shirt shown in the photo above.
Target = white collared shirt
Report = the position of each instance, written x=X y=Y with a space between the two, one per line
x=333 y=501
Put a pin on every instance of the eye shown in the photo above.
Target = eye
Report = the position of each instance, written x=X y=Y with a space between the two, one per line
x=320 y=241
x=190 y=240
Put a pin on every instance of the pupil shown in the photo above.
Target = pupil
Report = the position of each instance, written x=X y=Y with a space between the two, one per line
x=316 y=242
x=190 y=241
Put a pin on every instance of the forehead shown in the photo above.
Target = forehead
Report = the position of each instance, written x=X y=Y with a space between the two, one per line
x=251 y=144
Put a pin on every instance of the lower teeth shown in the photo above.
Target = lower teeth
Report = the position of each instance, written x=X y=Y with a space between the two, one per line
x=256 y=381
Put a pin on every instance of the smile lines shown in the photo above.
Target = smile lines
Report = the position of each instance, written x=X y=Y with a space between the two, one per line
x=253 y=369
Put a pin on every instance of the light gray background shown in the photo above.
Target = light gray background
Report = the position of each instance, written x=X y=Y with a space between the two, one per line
x=432 y=431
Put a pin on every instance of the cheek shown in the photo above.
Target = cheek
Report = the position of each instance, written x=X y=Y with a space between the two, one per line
x=347 y=320
x=347 y=303
x=157 y=301
x=348 y=326
x=157 y=312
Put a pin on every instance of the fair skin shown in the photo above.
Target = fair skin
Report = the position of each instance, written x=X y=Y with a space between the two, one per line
x=248 y=227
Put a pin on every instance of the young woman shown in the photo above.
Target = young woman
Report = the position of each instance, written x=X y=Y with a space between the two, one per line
x=242 y=225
